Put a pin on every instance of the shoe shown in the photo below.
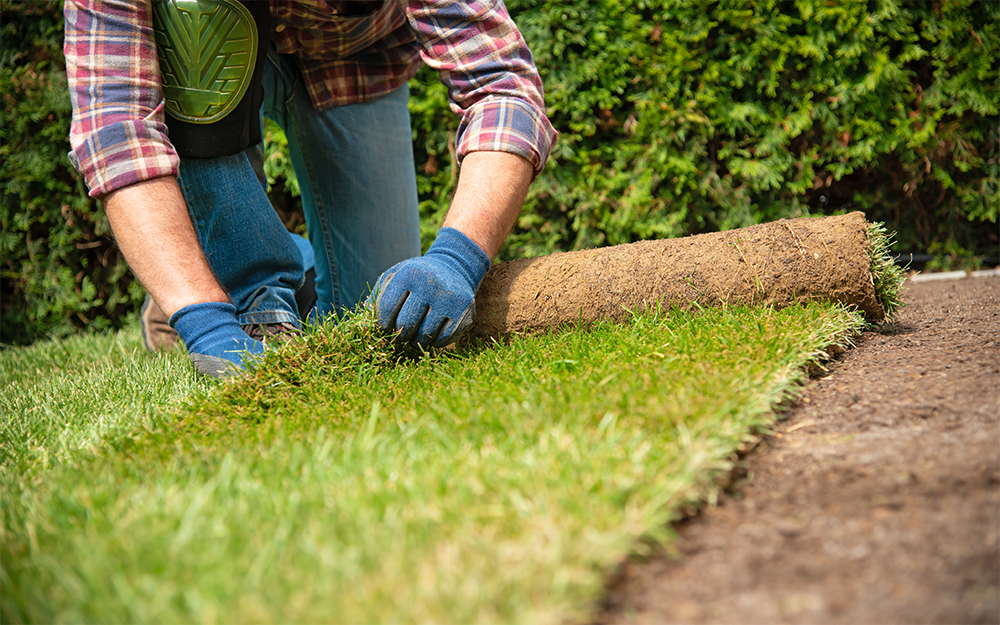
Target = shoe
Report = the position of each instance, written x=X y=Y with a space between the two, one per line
x=157 y=335
x=272 y=334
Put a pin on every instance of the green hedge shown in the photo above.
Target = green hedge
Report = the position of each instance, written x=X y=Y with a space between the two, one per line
x=61 y=271
x=684 y=117
x=676 y=118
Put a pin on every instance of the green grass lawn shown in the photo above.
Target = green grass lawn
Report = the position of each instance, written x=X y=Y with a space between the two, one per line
x=343 y=481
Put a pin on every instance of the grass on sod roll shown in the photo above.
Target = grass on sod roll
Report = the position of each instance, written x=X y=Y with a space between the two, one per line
x=344 y=481
x=887 y=277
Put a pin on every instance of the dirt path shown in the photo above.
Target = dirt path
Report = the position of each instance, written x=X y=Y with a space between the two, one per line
x=877 y=500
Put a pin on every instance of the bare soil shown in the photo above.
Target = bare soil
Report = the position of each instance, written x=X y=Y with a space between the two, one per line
x=877 y=500
x=779 y=263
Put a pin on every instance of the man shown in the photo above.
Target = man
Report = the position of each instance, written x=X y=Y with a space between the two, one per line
x=177 y=158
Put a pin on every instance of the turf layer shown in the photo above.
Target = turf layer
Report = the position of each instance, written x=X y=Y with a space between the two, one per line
x=344 y=481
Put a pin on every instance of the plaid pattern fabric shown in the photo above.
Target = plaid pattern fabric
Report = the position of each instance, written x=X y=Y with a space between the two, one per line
x=347 y=52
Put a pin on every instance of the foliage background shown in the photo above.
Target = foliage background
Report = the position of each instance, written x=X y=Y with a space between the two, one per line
x=676 y=118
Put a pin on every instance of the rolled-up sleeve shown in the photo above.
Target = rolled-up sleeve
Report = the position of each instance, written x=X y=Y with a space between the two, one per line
x=118 y=135
x=492 y=81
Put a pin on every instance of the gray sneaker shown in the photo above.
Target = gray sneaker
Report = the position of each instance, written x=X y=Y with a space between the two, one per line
x=157 y=335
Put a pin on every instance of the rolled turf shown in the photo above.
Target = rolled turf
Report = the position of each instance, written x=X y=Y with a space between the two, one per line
x=839 y=259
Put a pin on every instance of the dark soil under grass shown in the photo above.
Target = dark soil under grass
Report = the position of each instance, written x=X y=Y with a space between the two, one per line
x=876 y=501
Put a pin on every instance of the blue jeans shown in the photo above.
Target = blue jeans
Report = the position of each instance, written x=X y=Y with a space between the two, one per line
x=355 y=169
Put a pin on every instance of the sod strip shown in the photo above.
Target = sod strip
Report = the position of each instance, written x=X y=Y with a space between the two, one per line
x=841 y=259
x=342 y=482
x=61 y=396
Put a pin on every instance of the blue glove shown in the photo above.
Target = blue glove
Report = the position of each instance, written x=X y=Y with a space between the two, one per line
x=215 y=342
x=431 y=300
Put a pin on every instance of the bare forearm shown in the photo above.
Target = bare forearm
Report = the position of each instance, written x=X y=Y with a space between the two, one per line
x=491 y=189
x=151 y=224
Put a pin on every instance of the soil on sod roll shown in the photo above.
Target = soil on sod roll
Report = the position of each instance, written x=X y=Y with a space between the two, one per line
x=876 y=501
x=781 y=263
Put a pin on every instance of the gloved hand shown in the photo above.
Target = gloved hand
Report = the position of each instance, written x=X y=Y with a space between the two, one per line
x=431 y=300
x=215 y=342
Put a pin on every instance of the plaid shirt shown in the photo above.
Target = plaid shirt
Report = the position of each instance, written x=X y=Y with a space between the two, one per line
x=118 y=134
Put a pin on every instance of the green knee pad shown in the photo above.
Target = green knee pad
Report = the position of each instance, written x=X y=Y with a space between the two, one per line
x=211 y=56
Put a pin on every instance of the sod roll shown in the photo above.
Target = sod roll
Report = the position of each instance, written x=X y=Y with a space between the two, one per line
x=780 y=263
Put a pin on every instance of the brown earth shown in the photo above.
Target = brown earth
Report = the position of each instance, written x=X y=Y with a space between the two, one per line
x=780 y=263
x=876 y=501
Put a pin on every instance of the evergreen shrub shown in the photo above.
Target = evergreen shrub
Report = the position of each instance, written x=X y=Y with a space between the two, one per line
x=675 y=117
x=60 y=269
x=684 y=117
